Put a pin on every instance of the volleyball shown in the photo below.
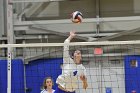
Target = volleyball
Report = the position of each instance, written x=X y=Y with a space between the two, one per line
x=77 y=17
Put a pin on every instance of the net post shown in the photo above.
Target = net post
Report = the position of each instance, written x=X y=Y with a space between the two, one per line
x=9 y=61
x=10 y=40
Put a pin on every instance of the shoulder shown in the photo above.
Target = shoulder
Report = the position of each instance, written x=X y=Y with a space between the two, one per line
x=81 y=66
x=43 y=91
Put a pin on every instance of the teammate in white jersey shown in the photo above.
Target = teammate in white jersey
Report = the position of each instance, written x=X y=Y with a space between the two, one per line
x=47 y=84
x=72 y=70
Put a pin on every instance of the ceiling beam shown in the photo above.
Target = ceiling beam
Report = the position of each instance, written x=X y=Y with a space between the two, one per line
x=26 y=9
x=40 y=8
x=21 y=28
x=100 y=34
x=68 y=21
x=25 y=37
x=119 y=34
x=58 y=33
x=33 y=9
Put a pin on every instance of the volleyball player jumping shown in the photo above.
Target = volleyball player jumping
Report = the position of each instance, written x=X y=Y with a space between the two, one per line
x=72 y=70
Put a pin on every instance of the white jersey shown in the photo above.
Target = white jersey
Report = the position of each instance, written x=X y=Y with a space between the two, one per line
x=45 y=91
x=70 y=71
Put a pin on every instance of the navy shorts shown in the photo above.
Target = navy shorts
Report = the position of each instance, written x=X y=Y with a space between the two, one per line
x=58 y=90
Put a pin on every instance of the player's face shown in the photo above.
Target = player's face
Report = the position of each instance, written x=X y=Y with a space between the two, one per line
x=77 y=56
x=49 y=83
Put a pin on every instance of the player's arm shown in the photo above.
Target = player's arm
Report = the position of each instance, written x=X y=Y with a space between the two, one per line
x=84 y=80
x=66 y=56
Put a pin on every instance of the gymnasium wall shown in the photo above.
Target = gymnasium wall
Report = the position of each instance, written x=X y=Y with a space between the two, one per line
x=88 y=7
x=132 y=74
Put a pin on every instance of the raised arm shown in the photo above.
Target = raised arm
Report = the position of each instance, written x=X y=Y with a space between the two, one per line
x=66 y=56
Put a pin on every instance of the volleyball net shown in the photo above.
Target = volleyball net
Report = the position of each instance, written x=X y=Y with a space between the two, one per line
x=112 y=66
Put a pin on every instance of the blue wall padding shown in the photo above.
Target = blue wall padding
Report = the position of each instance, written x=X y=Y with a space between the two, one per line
x=3 y=76
x=132 y=75
x=17 y=76
x=37 y=70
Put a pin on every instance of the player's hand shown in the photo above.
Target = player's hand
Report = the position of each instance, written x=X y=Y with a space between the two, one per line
x=72 y=34
x=82 y=77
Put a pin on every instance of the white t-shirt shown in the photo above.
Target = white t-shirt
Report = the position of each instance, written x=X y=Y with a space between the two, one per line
x=70 y=71
x=45 y=91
